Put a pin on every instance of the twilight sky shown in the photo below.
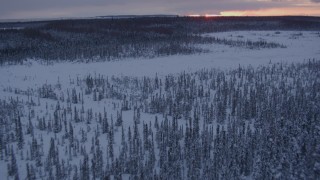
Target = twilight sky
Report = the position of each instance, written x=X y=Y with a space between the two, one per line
x=25 y=9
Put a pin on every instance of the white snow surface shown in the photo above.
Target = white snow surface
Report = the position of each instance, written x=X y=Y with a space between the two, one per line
x=301 y=45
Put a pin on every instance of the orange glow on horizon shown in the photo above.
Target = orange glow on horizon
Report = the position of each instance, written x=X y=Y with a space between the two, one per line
x=291 y=11
x=205 y=15
x=285 y=11
x=194 y=15
x=210 y=15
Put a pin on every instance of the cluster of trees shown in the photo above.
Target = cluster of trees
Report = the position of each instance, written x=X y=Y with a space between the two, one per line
x=246 y=43
x=114 y=39
x=262 y=123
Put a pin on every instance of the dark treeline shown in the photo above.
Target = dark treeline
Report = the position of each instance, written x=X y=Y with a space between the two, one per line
x=259 y=123
x=118 y=38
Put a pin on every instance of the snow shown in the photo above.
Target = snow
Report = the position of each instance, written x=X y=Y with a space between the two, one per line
x=303 y=47
x=300 y=46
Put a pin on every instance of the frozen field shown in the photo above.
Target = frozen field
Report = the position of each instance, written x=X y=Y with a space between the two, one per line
x=132 y=93
x=300 y=46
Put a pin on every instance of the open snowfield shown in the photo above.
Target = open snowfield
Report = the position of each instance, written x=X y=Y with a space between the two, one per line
x=300 y=46
x=23 y=82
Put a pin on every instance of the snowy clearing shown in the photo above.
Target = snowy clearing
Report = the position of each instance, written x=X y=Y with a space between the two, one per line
x=305 y=46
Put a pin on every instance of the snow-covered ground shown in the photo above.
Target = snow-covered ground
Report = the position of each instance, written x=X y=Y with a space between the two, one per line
x=301 y=45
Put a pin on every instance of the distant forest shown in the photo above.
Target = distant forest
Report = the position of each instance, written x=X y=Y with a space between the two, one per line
x=140 y=37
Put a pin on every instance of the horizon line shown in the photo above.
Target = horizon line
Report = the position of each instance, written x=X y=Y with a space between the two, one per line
x=125 y=16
